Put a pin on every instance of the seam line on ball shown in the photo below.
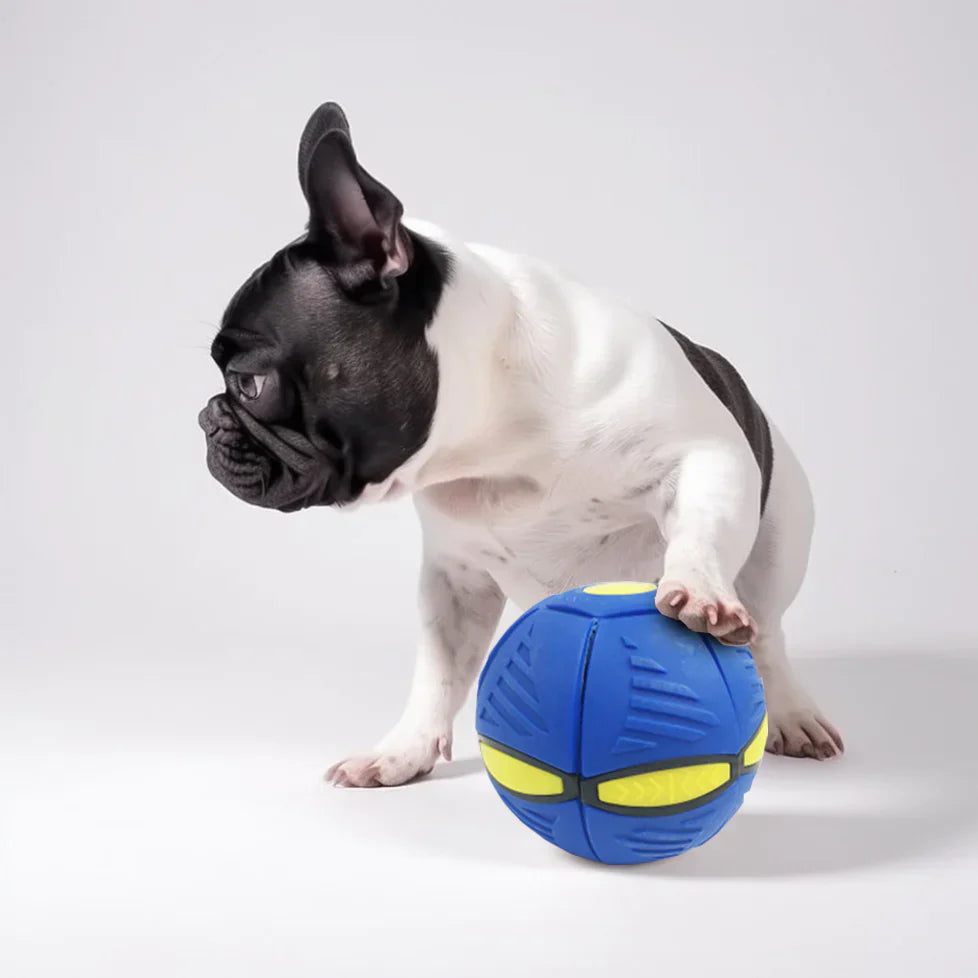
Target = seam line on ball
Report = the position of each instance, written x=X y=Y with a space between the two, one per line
x=592 y=635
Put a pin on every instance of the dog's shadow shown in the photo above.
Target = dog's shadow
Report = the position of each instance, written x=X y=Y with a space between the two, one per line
x=905 y=787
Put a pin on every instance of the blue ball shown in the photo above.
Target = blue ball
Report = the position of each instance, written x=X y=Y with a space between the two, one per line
x=616 y=733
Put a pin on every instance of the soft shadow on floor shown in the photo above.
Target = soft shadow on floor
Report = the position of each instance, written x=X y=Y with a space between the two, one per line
x=909 y=723
x=460 y=768
x=905 y=787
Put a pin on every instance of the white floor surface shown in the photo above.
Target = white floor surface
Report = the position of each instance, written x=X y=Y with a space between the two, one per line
x=177 y=825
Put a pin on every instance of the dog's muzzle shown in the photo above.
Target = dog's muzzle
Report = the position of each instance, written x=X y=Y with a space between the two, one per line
x=270 y=466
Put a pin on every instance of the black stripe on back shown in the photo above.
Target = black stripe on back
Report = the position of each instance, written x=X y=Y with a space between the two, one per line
x=722 y=378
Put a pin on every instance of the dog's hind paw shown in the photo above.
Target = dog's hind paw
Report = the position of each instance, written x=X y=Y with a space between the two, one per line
x=797 y=729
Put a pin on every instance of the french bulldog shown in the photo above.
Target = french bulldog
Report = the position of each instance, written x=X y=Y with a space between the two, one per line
x=551 y=437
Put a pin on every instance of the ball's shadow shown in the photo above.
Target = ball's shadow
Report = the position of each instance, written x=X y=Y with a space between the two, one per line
x=908 y=721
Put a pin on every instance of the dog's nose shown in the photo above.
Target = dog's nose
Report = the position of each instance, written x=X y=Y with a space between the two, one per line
x=207 y=418
x=206 y=422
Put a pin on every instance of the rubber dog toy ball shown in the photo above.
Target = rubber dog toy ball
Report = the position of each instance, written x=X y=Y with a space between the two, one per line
x=616 y=733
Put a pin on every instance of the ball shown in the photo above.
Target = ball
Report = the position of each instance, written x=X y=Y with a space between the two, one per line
x=615 y=732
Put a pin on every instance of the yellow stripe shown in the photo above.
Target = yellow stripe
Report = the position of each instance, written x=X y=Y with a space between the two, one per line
x=754 y=751
x=657 y=789
x=620 y=587
x=519 y=776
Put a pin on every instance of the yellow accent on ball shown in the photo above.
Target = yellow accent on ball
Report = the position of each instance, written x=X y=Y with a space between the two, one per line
x=658 y=789
x=620 y=587
x=519 y=776
x=754 y=751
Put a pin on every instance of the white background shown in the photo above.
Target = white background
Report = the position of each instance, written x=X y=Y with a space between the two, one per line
x=793 y=184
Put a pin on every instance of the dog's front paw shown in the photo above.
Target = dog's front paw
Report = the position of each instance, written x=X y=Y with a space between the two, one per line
x=396 y=760
x=706 y=609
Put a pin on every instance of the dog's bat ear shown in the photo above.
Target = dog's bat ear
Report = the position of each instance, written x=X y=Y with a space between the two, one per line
x=352 y=216
x=329 y=117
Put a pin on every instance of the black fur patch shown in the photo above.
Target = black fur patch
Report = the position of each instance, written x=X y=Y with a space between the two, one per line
x=722 y=378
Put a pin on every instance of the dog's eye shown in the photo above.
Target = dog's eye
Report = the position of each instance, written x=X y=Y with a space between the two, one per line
x=248 y=386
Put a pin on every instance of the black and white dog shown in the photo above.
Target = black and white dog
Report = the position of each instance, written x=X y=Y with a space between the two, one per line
x=551 y=438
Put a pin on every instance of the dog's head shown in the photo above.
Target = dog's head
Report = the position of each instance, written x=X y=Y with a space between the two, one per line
x=330 y=384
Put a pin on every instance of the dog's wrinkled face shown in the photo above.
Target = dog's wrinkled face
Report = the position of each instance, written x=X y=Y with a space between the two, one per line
x=330 y=384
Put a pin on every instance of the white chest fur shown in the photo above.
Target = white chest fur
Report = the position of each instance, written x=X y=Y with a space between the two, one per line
x=535 y=542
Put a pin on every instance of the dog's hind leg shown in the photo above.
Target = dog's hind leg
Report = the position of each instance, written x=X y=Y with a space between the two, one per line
x=767 y=584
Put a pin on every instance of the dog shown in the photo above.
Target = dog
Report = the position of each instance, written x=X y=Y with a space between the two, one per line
x=551 y=437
